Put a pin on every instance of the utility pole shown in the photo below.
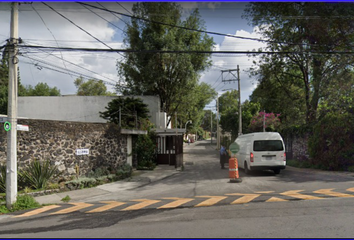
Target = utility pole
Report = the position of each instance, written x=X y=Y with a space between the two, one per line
x=264 y=121
x=217 y=126
x=239 y=94
x=211 y=127
x=11 y=158
x=239 y=103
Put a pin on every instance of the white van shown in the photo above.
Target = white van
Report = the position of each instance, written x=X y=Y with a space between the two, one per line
x=261 y=151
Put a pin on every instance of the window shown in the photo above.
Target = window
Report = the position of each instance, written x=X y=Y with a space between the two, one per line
x=268 y=145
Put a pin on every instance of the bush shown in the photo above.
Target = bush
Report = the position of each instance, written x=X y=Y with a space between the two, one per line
x=331 y=145
x=81 y=183
x=25 y=202
x=2 y=178
x=98 y=172
x=124 y=171
x=37 y=174
x=145 y=149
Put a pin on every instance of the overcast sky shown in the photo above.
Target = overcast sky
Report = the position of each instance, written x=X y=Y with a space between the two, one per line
x=39 y=25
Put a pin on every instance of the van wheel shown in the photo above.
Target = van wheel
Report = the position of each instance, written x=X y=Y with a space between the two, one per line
x=246 y=169
x=276 y=171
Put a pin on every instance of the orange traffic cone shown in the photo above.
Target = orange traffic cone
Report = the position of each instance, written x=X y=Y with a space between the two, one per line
x=233 y=171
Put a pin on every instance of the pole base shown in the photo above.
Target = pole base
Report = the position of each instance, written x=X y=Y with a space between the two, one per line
x=236 y=180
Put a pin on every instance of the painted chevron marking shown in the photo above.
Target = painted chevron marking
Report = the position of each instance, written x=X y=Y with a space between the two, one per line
x=76 y=207
x=245 y=197
x=331 y=193
x=37 y=211
x=296 y=194
x=350 y=189
x=176 y=203
x=211 y=201
x=144 y=203
x=110 y=205
x=276 y=199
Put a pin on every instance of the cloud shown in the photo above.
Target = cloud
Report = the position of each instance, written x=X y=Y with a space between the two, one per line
x=230 y=61
x=34 y=32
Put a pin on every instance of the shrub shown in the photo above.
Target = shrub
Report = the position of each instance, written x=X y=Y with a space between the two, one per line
x=124 y=171
x=98 y=172
x=66 y=199
x=37 y=174
x=146 y=152
x=3 y=178
x=81 y=183
x=25 y=202
x=331 y=145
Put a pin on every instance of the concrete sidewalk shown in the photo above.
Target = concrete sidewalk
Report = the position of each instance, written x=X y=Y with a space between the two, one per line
x=139 y=178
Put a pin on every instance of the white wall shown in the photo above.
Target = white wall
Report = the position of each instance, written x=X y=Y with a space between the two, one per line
x=75 y=108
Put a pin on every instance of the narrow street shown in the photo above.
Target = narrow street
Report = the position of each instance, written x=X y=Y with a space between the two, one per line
x=201 y=202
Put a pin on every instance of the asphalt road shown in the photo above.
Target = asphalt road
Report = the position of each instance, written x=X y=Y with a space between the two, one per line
x=295 y=203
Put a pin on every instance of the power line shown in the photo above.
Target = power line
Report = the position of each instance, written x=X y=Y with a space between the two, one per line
x=50 y=33
x=79 y=67
x=187 y=51
x=185 y=28
x=103 y=18
x=80 y=28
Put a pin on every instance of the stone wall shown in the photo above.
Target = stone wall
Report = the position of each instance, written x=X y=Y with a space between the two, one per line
x=297 y=147
x=58 y=140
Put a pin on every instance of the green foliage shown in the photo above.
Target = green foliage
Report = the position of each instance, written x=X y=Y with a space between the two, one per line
x=66 y=199
x=81 y=183
x=38 y=174
x=25 y=202
x=146 y=152
x=98 y=172
x=2 y=178
x=130 y=109
x=124 y=171
x=92 y=87
x=331 y=146
x=300 y=79
x=168 y=75
x=41 y=89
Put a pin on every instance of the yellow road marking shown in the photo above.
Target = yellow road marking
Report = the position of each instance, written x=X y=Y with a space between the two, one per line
x=178 y=202
x=265 y=192
x=276 y=199
x=144 y=203
x=37 y=211
x=245 y=197
x=77 y=206
x=296 y=194
x=331 y=193
x=211 y=201
x=350 y=189
x=110 y=205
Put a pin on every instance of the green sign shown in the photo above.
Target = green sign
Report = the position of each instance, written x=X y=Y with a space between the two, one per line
x=234 y=148
x=7 y=126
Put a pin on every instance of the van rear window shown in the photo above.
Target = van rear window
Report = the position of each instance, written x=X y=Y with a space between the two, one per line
x=268 y=145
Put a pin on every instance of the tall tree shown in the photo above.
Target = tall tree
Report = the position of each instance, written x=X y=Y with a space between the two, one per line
x=91 y=87
x=168 y=75
x=306 y=33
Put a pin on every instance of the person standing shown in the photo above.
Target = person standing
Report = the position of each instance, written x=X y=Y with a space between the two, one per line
x=223 y=156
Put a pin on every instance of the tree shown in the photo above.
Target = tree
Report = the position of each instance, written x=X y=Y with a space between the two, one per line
x=134 y=113
x=190 y=106
x=173 y=75
x=306 y=33
x=41 y=89
x=91 y=87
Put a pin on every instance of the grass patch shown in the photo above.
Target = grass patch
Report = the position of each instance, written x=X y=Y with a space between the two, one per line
x=66 y=199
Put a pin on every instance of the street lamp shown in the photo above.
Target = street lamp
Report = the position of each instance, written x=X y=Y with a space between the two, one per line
x=185 y=127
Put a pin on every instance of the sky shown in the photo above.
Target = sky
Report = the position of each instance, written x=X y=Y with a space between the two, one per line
x=40 y=25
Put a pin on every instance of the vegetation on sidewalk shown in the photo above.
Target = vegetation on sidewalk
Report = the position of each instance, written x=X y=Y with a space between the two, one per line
x=23 y=202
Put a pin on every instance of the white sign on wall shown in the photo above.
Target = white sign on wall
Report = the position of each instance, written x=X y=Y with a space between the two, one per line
x=22 y=127
x=82 y=151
